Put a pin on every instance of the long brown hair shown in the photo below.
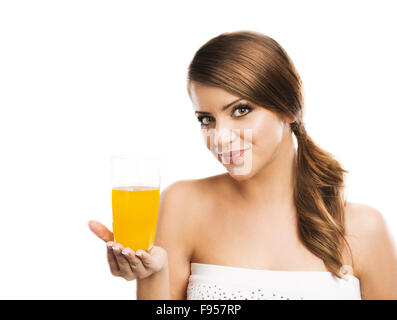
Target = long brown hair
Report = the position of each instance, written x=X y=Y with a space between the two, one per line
x=254 y=66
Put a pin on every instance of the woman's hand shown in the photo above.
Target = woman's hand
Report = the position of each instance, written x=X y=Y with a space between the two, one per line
x=126 y=263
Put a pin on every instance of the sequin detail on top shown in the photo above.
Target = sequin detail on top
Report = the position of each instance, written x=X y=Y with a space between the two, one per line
x=208 y=291
x=215 y=282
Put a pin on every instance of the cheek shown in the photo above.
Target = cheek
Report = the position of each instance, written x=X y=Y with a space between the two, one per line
x=267 y=134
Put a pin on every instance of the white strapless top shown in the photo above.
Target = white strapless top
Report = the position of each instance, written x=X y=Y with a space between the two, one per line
x=209 y=281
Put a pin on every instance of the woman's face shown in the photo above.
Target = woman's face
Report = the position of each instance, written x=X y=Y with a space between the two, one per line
x=243 y=136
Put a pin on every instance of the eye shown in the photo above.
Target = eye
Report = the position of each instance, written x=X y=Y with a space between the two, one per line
x=241 y=110
x=204 y=120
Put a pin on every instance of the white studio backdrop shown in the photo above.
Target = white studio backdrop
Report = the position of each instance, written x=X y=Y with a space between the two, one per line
x=83 y=80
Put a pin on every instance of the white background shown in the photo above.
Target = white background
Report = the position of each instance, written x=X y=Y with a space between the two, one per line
x=82 y=80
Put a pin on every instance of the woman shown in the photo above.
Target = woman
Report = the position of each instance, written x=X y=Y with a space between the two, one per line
x=275 y=225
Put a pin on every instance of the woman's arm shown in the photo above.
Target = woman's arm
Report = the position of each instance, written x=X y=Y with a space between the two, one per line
x=375 y=254
x=155 y=287
x=174 y=234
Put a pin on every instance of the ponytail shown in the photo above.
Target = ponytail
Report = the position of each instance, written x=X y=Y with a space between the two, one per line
x=319 y=201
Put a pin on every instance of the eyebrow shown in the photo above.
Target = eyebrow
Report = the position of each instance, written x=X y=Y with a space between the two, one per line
x=223 y=108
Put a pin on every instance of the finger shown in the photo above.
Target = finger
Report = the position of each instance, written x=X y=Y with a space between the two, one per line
x=125 y=268
x=100 y=230
x=145 y=258
x=136 y=264
x=114 y=267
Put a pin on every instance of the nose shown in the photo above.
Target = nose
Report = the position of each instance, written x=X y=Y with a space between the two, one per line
x=226 y=140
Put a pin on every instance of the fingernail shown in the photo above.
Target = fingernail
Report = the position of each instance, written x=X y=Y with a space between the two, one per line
x=139 y=253
x=125 y=252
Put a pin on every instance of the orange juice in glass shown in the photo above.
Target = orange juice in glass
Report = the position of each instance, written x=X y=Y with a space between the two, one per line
x=135 y=199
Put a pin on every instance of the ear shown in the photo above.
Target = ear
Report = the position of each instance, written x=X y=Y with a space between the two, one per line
x=288 y=119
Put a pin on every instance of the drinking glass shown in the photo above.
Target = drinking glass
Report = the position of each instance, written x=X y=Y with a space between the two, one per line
x=135 y=181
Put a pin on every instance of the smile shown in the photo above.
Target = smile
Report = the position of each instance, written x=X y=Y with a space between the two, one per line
x=233 y=156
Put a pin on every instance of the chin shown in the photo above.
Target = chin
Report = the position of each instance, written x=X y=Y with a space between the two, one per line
x=243 y=171
x=240 y=177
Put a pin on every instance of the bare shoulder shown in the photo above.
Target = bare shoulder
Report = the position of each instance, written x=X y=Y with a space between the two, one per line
x=193 y=192
x=189 y=191
x=177 y=225
x=177 y=204
x=363 y=224
x=184 y=202
x=179 y=192
x=373 y=248
x=363 y=220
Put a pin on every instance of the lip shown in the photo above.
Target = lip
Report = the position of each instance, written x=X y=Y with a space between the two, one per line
x=232 y=156
x=233 y=153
